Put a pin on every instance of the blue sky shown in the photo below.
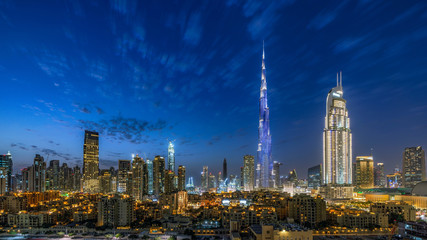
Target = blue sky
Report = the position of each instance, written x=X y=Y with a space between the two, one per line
x=143 y=72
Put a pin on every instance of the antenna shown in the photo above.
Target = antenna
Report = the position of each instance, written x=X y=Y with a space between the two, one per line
x=341 y=78
x=372 y=152
x=337 y=80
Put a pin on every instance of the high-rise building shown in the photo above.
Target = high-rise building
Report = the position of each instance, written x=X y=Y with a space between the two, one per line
x=52 y=175
x=211 y=181
x=169 y=182
x=105 y=181
x=139 y=183
x=91 y=162
x=7 y=164
x=181 y=178
x=315 y=176
x=37 y=175
x=413 y=166
x=365 y=171
x=124 y=169
x=116 y=211
x=3 y=180
x=150 y=177
x=276 y=174
x=379 y=177
x=205 y=178
x=224 y=169
x=337 y=145
x=158 y=175
x=171 y=157
x=248 y=172
x=77 y=179
x=264 y=167
x=66 y=178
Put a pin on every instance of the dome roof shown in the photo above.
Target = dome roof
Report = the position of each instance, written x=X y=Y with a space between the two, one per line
x=420 y=189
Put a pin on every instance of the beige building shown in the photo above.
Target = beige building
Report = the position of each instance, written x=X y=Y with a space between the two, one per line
x=362 y=220
x=116 y=211
x=408 y=211
x=364 y=172
x=306 y=209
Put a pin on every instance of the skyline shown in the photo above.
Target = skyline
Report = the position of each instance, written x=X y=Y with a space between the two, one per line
x=50 y=90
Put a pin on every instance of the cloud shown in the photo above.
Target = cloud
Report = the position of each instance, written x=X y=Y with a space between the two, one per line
x=125 y=129
x=321 y=20
x=193 y=32
x=347 y=44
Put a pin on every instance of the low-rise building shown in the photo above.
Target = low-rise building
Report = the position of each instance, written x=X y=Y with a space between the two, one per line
x=279 y=232
x=407 y=211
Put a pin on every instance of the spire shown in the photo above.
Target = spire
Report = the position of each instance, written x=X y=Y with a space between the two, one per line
x=263 y=53
x=341 y=78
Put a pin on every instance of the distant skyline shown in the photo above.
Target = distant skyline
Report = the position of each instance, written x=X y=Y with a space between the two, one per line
x=141 y=73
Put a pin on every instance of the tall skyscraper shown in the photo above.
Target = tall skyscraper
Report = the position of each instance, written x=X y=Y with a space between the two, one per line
x=205 y=178
x=413 y=166
x=224 y=169
x=248 y=172
x=181 y=178
x=91 y=162
x=52 y=175
x=171 y=157
x=158 y=175
x=124 y=169
x=37 y=175
x=150 y=177
x=7 y=164
x=379 y=177
x=337 y=146
x=315 y=176
x=77 y=179
x=276 y=174
x=265 y=163
x=138 y=166
x=365 y=171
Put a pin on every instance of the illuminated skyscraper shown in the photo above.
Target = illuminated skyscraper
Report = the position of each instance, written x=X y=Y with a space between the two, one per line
x=413 y=166
x=364 y=172
x=150 y=177
x=124 y=169
x=248 y=172
x=37 y=175
x=337 y=147
x=91 y=162
x=181 y=178
x=6 y=164
x=265 y=163
x=158 y=175
x=171 y=157
x=138 y=166
x=379 y=177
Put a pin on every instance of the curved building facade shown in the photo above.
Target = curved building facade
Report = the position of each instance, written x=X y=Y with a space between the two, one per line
x=337 y=143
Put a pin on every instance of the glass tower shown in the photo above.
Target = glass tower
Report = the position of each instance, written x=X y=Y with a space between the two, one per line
x=171 y=157
x=6 y=164
x=91 y=162
x=265 y=163
x=413 y=166
x=337 y=146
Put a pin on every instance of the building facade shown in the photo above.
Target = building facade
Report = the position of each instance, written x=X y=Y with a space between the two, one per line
x=91 y=162
x=315 y=176
x=379 y=177
x=181 y=178
x=337 y=139
x=158 y=175
x=364 y=172
x=7 y=165
x=171 y=157
x=248 y=172
x=413 y=166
